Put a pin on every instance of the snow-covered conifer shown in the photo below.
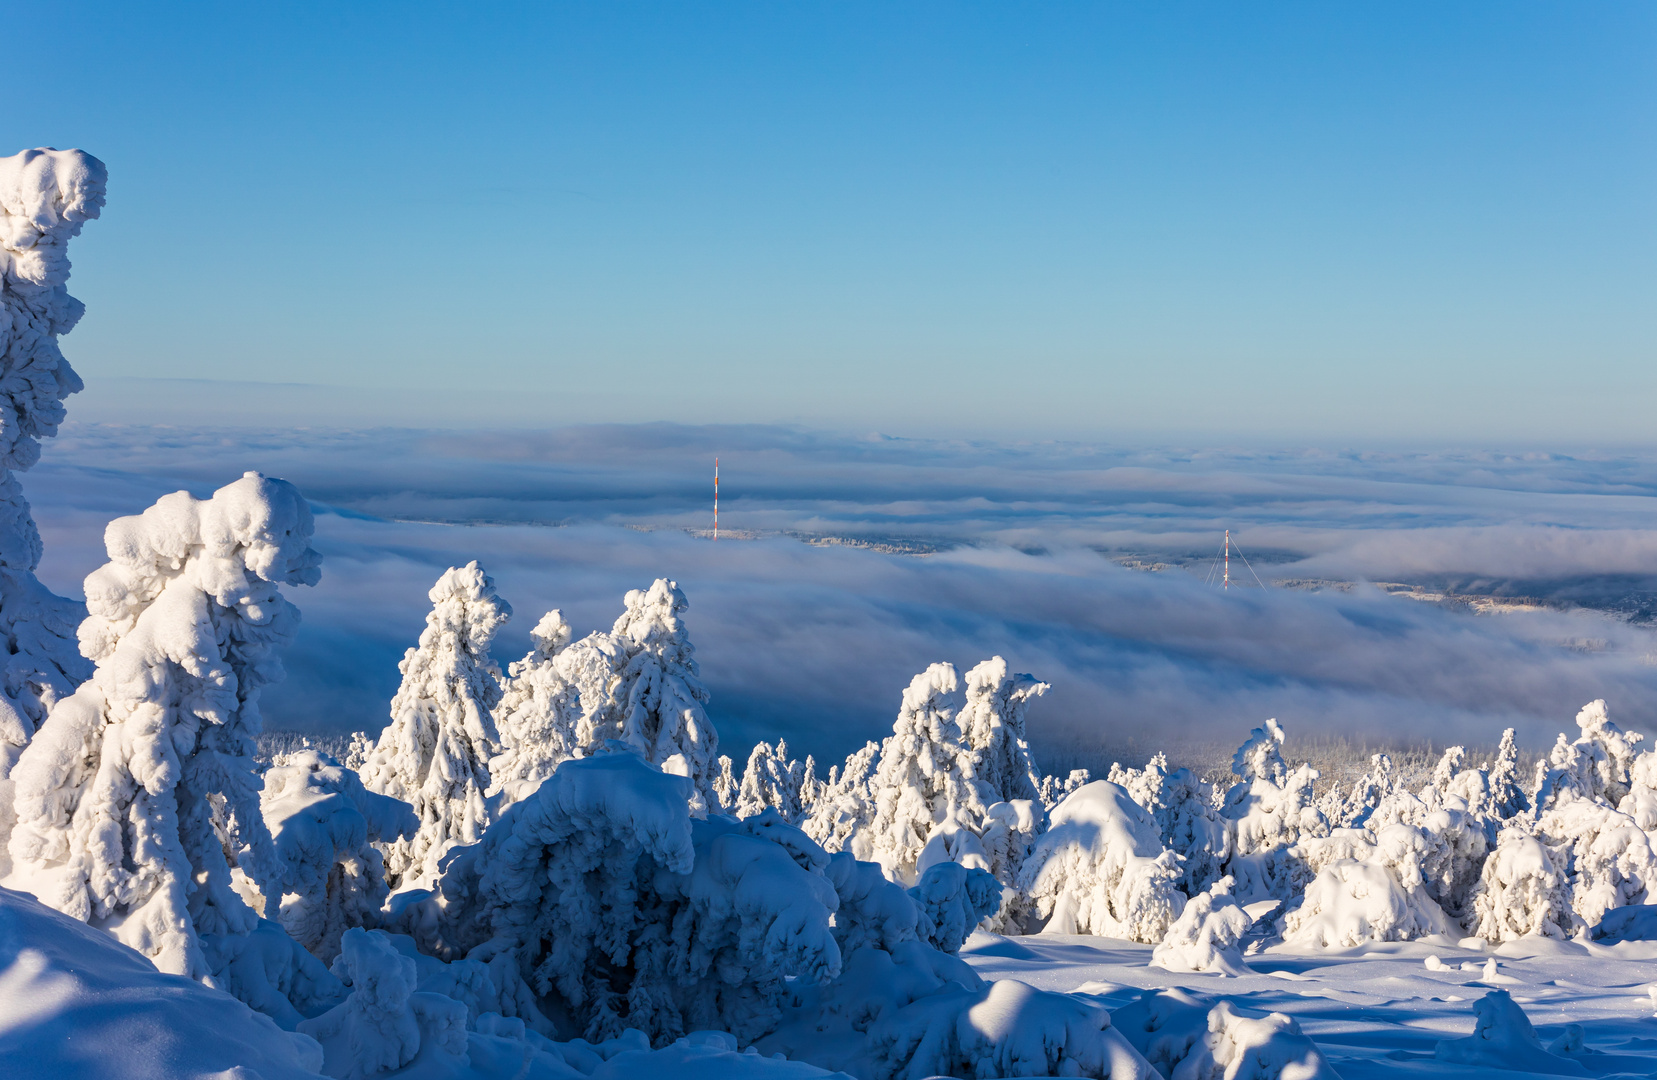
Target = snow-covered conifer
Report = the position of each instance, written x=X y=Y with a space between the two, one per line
x=1593 y=766
x=1269 y=809
x=920 y=781
x=773 y=780
x=538 y=714
x=992 y=731
x=434 y=754
x=1054 y=790
x=659 y=697
x=726 y=784
x=1525 y=890
x=1507 y=795
x=1208 y=934
x=325 y=825
x=45 y=198
x=845 y=805
x=1101 y=869
x=140 y=789
x=1183 y=807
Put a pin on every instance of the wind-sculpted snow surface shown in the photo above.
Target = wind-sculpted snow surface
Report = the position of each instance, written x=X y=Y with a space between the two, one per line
x=45 y=197
x=140 y=788
x=1101 y=869
x=435 y=753
x=1190 y=1037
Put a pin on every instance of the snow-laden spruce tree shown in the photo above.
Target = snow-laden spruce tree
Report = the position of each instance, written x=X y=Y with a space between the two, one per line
x=45 y=197
x=1183 y=807
x=659 y=696
x=1269 y=808
x=538 y=714
x=922 y=780
x=992 y=732
x=1594 y=766
x=772 y=779
x=140 y=789
x=1208 y=934
x=325 y=825
x=1101 y=868
x=434 y=754
x=845 y=804
x=1507 y=794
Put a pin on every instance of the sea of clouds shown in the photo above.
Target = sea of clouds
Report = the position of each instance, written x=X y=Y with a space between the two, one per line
x=977 y=548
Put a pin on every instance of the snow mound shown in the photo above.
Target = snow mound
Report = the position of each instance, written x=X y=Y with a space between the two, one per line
x=1101 y=869
x=1503 y=1038
x=954 y=900
x=1186 y=1036
x=78 y=1005
x=1351 y=902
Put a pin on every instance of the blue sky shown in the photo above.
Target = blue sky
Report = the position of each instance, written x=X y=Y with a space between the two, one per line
x=1356 y=221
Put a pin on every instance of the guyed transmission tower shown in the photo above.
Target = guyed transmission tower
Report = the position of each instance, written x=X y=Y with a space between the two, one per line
x=716 y=498
x=1222 y=563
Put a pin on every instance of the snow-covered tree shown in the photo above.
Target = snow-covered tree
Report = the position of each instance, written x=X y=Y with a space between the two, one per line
x=1525 y=890
x=1269 y=808
x=772 y=779
x=1054 y=789
x=1101 y=868
x=992 y=732
x=845 y=804
x=325 y=825
x=1183 y=807
x=659 y=696
x=138 y=796
x=1593 y=766
x=434 y=754
x=921 y=780
x=46 y=196
x=1507 y=796
x=538 y=715
x=1208 y=934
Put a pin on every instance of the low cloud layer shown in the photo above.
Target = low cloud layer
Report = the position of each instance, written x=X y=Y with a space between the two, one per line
x=816 y=642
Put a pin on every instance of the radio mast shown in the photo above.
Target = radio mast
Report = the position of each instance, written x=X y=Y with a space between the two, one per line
x=1224 y=584
x=716 y=499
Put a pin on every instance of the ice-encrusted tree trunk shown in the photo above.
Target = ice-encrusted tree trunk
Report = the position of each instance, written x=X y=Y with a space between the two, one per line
x=659 y=696
x=434 y=754
x=140 y=788
x=537 y=716
x=45 y=197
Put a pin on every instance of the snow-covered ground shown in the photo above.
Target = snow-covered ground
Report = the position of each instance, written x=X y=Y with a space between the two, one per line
x=1382 y=1009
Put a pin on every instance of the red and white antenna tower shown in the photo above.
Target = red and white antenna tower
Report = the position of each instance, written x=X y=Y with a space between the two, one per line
x=1225 y=584
x=716 y=498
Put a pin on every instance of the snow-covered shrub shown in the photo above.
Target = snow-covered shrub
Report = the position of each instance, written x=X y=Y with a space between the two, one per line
x=139 y=790
x=1183 y=807
x=953 y=900
x=434 y=754
x=1641 y=801
x=598 y=892
x=385 y=1022
x=1524 y=890
x=325 y=825
x=46 y=196
x=1207 y=935
x=1503 y=1038
x=1101 y=869
x=1187 y=1036
x=538 y=714
x=772 y=779
x=1352 y=901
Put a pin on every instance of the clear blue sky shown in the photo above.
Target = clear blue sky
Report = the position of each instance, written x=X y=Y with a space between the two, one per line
x=1351 y=220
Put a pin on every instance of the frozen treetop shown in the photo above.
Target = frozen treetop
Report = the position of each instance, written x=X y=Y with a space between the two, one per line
x=45 y=197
